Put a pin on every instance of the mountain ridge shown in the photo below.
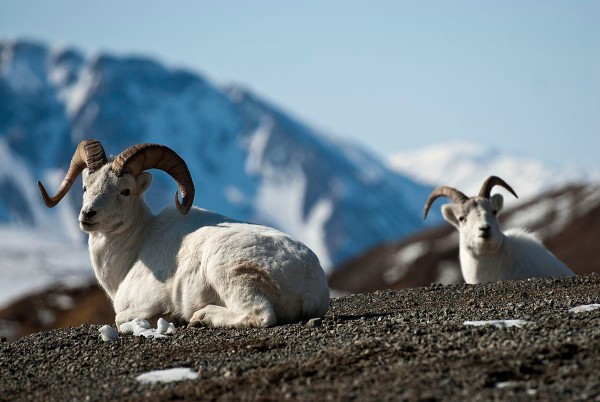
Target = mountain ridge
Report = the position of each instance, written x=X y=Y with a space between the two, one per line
x=250 y=160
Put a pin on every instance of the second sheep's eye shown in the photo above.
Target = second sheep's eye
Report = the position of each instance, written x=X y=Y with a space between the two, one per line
x=126 y=192
x=462 y=218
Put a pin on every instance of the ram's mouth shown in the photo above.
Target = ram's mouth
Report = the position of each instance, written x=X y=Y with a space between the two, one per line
x=87 y=225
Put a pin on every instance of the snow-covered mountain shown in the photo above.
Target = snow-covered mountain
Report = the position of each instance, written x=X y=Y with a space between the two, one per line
x=466 y=165
x=249 y=160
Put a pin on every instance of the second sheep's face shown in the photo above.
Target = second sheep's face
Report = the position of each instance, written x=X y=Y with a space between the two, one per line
x=477 y=223
x=109 y=201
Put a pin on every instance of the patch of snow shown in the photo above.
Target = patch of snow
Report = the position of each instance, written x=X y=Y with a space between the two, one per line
x=141 y=327
x=75 y=96
x=584 y=308
x=563 y=208
x=13 y=168
x=63 y=302
x=403 y=260
x=32 y=260
x=284 y=191
x=527 y=217
x=165 y=327
x=515 y=384
x=258 y=145
x=168 y=375
x=498 y=323
x=507 y=384
x=411 y=253
x=108 y=333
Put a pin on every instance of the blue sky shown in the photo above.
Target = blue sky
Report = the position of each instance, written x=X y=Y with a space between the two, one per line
x=522 y=76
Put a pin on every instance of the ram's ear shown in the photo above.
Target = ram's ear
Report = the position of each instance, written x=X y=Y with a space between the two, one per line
x=498 y=202
x=451 y=212
x=143 y=181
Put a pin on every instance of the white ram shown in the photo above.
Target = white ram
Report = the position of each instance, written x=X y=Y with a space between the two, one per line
x=487 y=254
x=185 y=264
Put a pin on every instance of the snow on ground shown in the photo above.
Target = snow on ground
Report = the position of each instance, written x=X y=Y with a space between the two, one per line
x=108 y=333
x=403 y=260
x=168 y=375
x=33 y=260
x=516 y=384
x=141 y=327
x=584 y=308
x=499 y=323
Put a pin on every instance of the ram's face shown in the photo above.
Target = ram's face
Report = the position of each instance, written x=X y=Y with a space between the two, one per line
x=109 y=202
x=477 y=222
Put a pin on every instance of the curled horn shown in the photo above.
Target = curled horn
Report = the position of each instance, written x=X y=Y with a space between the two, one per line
x=444 y=191
x=90 y=154
x=492 y=181
x=141 y=157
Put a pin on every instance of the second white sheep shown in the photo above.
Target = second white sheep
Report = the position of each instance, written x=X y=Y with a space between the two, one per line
x=487 y=254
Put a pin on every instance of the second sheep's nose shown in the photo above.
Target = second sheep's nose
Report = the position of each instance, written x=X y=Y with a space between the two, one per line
x=485 y=228
x=88 y=214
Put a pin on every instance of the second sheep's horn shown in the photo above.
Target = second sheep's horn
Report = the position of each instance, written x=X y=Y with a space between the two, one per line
x=444 y=191
x=492 y=181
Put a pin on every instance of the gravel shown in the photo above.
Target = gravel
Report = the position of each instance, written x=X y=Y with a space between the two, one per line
x=391 y=345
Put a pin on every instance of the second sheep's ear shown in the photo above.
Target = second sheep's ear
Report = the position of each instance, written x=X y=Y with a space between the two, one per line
x=451 y=213
x=498 y=202
x=143 y=181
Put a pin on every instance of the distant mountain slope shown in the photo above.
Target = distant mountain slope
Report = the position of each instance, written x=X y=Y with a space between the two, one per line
x=465 y=165
x=566 y=219
x=249 y=160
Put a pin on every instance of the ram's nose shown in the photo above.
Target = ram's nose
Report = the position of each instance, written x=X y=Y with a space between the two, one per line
x=87 y=214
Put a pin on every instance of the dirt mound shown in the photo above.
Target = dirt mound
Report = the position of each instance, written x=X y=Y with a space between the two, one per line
x=56 y=307
x=393 y=345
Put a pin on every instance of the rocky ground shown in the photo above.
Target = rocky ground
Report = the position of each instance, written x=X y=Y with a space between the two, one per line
x=392 y=345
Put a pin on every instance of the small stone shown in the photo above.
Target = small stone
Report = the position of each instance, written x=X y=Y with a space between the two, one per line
x=315 y=322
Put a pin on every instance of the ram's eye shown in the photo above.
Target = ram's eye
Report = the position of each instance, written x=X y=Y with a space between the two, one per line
x=126 y=192
x=495 y=212
x=462 y=218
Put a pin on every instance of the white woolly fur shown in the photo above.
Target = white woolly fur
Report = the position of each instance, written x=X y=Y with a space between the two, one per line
x=201 y=268
x=488 y=254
